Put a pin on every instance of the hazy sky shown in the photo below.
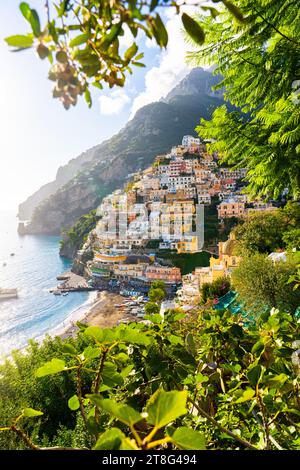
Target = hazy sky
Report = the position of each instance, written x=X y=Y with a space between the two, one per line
x=37 y=135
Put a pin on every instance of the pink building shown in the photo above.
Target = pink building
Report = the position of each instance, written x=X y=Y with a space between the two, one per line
x=163 y=273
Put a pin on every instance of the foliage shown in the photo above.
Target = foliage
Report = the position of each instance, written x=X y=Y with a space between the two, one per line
x=269 y=231
x=82 y=40
x=175 y=383
x=187 y=262
x=156 y=294
x=77 y=234
x=215 y=289
x=263 y=284
x=259 y=62
x=152 y=308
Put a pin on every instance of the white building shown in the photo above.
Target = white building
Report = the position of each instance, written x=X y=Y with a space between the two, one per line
x=189 y=141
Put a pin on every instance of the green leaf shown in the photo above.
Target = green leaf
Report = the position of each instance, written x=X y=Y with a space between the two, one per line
x=91 y=353
x=188 y=439
x=94 y=332
x=32 y=17
x=111 y=36
x=277 y=381
x=134 y=337
x=234 y=10
x=25 y=10
x=131 y=51
x=110 y=376
x=254 y=374
x=138 y=64
x=73 y=403
x=258 y=348
x=52 y=367
x=159 y=31
x=81 y=39
x=246 y=395
x=69 y=349
x=123 y=413
x=164 y=407
x=31 y=413
x=110 y=440
x=128 y=444
x=153 y=4
x=23 y=42
x=88 y=99
x=193 y=29
x=35 y=23
x=190 y=344
x=139 y=56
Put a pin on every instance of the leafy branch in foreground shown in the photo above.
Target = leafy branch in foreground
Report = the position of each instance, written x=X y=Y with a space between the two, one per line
x=81 y=39
x=208 y=381
x=259 y=64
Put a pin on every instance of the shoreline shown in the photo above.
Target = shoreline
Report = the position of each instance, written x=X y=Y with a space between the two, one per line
x=102 y=312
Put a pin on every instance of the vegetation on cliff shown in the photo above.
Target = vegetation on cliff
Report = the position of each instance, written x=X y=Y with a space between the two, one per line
x=74 y=238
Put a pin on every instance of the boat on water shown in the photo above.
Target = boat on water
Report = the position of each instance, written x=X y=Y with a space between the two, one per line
x=8 y=294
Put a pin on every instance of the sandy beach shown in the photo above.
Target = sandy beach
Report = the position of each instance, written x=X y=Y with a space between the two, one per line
x=103 y=312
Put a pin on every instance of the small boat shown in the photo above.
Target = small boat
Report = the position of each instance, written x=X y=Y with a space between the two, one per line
x=8 y=294
x=66 y=293
x=57 y=292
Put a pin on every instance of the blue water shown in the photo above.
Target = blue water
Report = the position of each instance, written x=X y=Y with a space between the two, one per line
x=33 y=271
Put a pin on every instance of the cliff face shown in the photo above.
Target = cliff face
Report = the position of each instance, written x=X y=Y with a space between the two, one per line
x=154 y=130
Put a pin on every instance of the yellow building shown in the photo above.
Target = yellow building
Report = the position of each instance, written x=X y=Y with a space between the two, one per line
x=227 y=253
x=188 y=245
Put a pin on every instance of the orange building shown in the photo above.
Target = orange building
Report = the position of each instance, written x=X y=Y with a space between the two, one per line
x=231 y=208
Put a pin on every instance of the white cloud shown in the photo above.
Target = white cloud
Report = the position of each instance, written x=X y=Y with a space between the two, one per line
x=114 y=103
x=172 y=68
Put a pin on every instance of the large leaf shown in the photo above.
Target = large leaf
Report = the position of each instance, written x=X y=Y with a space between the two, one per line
x=32 y=17
x=20 y=41
x=109 y=440
x=128 y=444
x=234 y=10
x=52 y=367
x=134 y=337
x=111 y=376
x=247 y=395
x=254 y=374
x=159 y=31
x=188 y=439
x=164 y=407
x=94 y=332
x=193 y=29
x=123 y=413
x=31 y=413
x=69 y=349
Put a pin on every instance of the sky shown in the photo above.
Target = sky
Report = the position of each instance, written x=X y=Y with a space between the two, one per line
x=37 y=135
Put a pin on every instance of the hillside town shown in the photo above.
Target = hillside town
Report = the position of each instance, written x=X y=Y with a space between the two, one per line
x=161 y=212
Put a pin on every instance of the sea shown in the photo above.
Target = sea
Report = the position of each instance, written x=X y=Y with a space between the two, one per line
x=31 y=263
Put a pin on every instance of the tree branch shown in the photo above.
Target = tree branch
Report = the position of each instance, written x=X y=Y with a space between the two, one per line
x=79 y=394
x=218 y=425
